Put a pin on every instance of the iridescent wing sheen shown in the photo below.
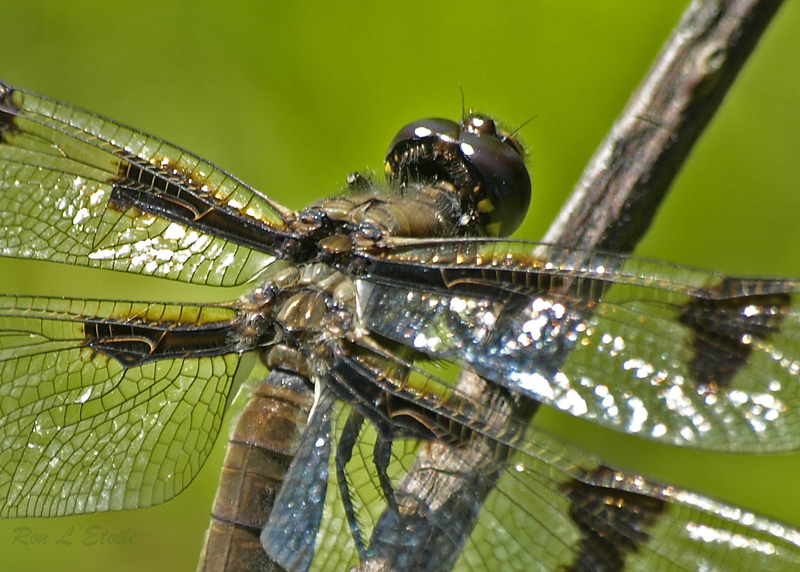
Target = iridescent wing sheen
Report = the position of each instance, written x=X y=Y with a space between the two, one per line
x=80 y=189
x=668 y=353
x=107 y=405
x=524 y=502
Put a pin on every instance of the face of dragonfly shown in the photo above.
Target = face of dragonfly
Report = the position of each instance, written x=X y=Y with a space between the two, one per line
x=571 y=110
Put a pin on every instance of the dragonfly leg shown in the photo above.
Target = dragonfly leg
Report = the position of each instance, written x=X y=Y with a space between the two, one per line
x=382 y=454
x=344 y=452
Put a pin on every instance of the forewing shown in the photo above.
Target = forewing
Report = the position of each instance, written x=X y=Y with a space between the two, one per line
x=79 y=189
x=107 y=405
x=668 y=353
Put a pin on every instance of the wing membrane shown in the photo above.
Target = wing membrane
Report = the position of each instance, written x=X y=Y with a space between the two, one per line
x=668 y=353
x=79 y=189
x=526 y=503
x=104 y=405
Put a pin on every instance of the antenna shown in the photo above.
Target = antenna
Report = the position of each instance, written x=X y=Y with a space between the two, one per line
x=518 y=129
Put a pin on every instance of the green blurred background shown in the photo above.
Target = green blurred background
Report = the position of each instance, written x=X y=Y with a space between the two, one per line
x=292 y=96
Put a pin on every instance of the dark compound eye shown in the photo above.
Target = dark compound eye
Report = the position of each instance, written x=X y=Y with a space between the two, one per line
x=487 y=167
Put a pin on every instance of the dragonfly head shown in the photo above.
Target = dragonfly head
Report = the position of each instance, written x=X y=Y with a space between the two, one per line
x=484 y=164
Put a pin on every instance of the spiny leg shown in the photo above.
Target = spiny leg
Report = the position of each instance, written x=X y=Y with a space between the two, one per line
x=381 y=456
x=344 y=452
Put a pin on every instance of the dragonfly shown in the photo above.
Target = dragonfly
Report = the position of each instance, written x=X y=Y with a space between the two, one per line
x=411 y=346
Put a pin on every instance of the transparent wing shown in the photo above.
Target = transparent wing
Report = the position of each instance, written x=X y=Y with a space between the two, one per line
x=668 y=353
x=79 y=189
x=491 y=499
x=107 y=405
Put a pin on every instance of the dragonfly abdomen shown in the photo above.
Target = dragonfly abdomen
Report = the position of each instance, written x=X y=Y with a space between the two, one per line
x=261 y=446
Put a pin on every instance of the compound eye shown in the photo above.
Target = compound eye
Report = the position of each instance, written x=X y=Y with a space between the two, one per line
x=422 y=132
x=505 y=189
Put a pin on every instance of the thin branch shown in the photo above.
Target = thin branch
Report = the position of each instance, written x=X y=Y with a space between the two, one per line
x=616 y=198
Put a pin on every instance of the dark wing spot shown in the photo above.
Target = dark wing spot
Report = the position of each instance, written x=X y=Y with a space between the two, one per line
x=7 y=123
x=613 y=523
x=168 y=189
x=726 y=325
x=134 y=344
x=170 y=194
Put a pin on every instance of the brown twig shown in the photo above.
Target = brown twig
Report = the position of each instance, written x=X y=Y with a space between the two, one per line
x=616 y=198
